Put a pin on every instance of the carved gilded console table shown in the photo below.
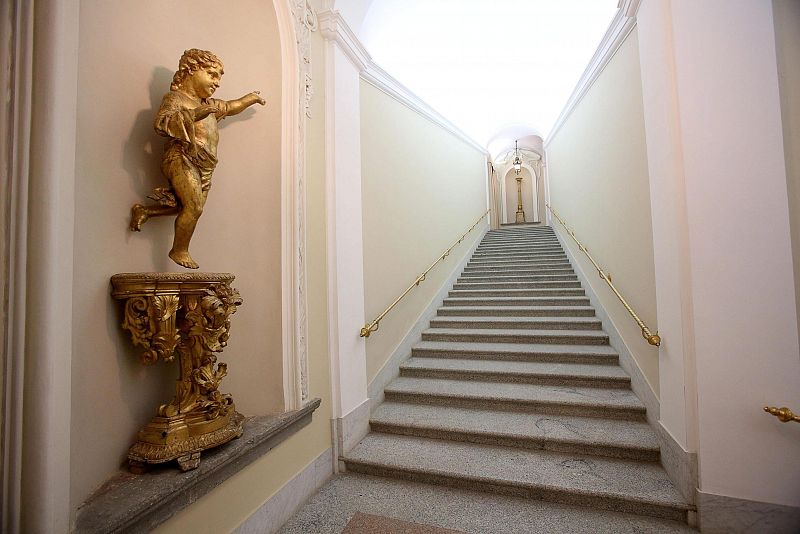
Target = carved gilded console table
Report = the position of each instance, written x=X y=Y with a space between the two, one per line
x=188 y=315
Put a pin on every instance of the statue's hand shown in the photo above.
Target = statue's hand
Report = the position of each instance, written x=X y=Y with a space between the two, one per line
x=255 y=98
x=203 y=111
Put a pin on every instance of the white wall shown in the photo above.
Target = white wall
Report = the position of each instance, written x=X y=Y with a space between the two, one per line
x=787 y=41
x=598 y=177
x=421 y=189
x=128 y=53
x=745 y=321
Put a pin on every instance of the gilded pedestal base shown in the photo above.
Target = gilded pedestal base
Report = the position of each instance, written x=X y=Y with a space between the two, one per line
x=169 y=438
x=185 y=315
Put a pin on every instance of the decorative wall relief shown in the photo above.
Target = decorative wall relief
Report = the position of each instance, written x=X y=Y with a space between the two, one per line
x=187 y=315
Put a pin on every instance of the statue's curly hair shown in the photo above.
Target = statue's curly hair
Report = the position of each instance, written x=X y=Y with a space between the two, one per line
x=193 y=60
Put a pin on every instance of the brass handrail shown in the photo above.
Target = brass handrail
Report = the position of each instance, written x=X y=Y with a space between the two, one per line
x=374 y=325
x=784 y=414
x=653 y=339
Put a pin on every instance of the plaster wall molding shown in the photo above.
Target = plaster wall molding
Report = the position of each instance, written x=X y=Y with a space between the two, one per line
x=621 y=26
x=334 y=27
x=296 y=21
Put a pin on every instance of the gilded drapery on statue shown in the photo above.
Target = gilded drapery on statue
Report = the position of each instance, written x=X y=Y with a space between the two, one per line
x=188 y=118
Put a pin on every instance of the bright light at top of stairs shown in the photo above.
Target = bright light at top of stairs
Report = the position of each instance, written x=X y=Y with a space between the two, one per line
x=485 y=64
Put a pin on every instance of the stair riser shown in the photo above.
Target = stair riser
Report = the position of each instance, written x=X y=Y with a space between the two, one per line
x=511 y=312
x=609 y=451
x=602 y=502
x=518 y=258
x=507 y=251
x=483 y=250
x=512 y=279
x=539 y=407
x=485 y=337
x=539 y=380
x=525 y=301
x=603 y=359
x=524 y=274
x=558 y=284
x=507 y=293
x=482 y=274
x=522 y=325
x=516 y=267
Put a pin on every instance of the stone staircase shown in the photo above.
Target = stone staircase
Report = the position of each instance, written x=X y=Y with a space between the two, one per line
x=514 y=389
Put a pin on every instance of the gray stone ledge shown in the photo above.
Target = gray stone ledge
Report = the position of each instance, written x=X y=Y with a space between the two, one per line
x=139 y=503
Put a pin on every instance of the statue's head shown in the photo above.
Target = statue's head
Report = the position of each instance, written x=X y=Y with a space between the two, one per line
x=191 y=61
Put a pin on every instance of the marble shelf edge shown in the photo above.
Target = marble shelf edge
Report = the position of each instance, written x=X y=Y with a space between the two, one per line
x=139 y=503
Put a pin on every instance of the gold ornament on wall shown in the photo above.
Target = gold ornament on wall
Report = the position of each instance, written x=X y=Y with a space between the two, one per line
x=187 y=315
x=188 y=118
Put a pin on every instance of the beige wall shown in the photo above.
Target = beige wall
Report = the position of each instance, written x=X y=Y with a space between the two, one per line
x=422 y=188
x=787 y=36
x=127 y=58
x=599 y=185
x=244 y=493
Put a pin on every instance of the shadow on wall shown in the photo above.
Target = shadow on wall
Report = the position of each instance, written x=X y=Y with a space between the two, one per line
x=142 y=159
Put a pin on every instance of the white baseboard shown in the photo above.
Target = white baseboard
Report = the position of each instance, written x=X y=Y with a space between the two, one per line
x=719 y=514
x=279 y=508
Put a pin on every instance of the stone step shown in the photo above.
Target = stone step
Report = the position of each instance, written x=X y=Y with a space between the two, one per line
x=565 y=270
x=614 y=403
x=605 y=483
x=496 y=274
x=512 y=278
x=457 y=509
x=542 y=373
x=504 y=259
x=522 y=257
x=604 y=354
x=528 y=323
x=516 y=249
x=516 y=301
x=486 y=335
x=517 y=268
x=518 y=285
x=613 y=438
x=517 y=311
x=547 y=292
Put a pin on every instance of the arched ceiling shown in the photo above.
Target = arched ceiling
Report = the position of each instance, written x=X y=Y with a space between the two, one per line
x=486 y=64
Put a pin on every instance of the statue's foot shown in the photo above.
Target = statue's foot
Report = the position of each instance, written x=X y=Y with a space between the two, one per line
x=182 y=258
x=138 y=217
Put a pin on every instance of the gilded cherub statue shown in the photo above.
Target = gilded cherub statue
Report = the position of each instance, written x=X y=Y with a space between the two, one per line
x=188 y=117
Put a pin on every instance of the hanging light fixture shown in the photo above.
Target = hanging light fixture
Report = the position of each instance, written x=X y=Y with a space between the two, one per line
x=517 y=159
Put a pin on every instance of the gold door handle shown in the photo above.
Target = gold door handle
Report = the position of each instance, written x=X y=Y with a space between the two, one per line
x=784 y=414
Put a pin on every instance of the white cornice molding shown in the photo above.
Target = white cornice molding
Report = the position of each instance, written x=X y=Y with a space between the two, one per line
x=622 y=25
x=335 y=28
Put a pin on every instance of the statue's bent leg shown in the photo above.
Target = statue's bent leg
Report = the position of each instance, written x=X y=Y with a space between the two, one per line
x=141 y=213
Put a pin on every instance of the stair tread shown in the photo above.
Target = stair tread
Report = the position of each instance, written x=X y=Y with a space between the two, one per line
x=580 y=370
x=531 y=348
x=516 y=392
x=495 y=322
x=491 y=309
x=514 y=299
x=573 y=429
x=518 y=331
x=634 y=481
x=459 y=509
